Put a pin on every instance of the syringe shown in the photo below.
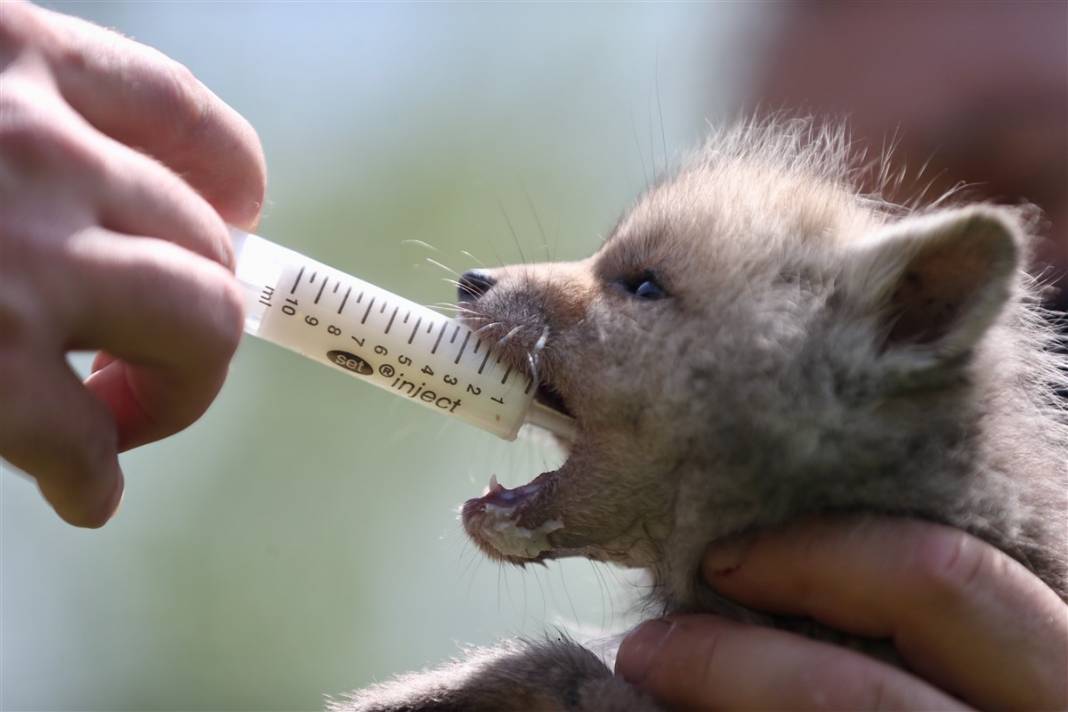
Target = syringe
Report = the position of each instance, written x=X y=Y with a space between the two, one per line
x=398 y=345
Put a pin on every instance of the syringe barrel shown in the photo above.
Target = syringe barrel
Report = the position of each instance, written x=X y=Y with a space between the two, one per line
x=380 y=337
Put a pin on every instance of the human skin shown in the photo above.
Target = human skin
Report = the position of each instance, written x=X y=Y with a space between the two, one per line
x=118 y=174
x=975 y=628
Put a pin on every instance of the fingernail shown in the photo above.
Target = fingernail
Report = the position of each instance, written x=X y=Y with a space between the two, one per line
x=640 y=648
x=725 y=558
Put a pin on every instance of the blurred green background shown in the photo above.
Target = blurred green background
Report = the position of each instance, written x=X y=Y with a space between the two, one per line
x=302 y=538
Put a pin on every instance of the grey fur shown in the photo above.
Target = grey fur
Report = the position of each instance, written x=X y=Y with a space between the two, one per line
x=819 y=351
x=550 y=674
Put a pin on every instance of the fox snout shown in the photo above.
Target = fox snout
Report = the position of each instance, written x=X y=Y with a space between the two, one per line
x=473 y=284
x=524 y=310
x=559 y=292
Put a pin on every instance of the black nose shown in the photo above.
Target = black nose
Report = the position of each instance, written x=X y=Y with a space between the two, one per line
x=474 y=284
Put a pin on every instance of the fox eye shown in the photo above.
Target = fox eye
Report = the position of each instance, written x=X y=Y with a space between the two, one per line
x=645 y=286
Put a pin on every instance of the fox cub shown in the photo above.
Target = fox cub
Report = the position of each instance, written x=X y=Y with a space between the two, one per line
x=756 y=341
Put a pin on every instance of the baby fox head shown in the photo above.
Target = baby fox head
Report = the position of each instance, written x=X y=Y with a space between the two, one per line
x=752 y=341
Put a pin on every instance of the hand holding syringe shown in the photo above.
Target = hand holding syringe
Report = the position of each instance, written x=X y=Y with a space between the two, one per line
x=396 y=344
x=112 y=240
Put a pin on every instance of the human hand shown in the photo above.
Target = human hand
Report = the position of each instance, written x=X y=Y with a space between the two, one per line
x=118 y=174
x=974 y=626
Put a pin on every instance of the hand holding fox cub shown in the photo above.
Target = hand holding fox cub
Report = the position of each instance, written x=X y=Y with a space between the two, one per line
x=970 y=624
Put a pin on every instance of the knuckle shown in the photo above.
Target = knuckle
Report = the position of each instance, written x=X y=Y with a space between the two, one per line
x=24 y=140
x=812 y=690
x=20 y=23
x=185 y=81
x=74 y=44
x=175 y=99
x=198 y=117
x=876 y=695
x=35 y=139
x=185 y=99
x=838 y=680
x=949 y=562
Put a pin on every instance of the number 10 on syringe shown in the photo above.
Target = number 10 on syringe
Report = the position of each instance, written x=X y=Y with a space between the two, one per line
x=392 y=342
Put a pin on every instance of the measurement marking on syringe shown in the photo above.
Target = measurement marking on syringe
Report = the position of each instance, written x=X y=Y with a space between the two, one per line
x=320 y=294
x=336 y=285
x=462 y=347
x=443 y=328
x=530 y=382
x=359 y=298
x=391 y=318
x=369 y=305
x=485 y=358
x=477 y=344
x=344 y=298
x=506 y=374
x=382 y=309
x=429 y=327
x=454 y=334
x=297 y=280
x=408 y=314
x=312 y=280
x=417 y=323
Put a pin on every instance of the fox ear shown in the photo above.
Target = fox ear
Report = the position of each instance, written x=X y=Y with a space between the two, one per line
x=935 y=283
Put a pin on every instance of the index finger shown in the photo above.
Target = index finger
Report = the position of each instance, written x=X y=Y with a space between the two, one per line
x=144 y=99
x=963 y=614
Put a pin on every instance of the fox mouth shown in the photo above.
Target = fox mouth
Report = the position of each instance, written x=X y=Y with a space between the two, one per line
x=521 y=525
x=549 y=397
x=505 y=525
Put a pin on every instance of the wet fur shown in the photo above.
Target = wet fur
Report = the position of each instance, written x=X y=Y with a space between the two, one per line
x=820 y=351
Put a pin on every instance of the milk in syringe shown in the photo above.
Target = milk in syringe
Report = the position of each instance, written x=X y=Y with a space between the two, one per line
x=379 y=337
